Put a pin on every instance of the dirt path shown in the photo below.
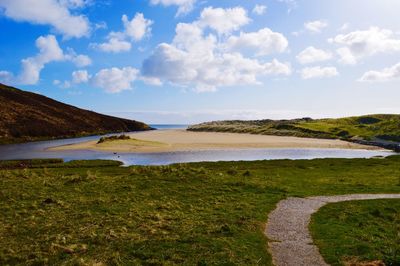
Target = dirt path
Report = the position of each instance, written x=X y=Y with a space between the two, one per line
x=287 y=228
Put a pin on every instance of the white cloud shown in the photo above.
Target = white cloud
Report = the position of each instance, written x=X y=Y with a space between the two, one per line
x=49 y=51
x=312 y=55
x=344 y=27
x=224 y=21
x=262 y=42
x=80 y=76
x=259 y=9
x=318 y=72
x=315 y=26
x=199 y=61
x=73 y=4
x=115 y=80
x=185 y=68
x=65 y=85
x=134 y=30
x=360 y=44
x=386 y=74
x=6 y=77
x=138 y=27
x=114 y=45
x=346 y=56
x=48 y=12
x=184 y=6
x=100 y=25
x=79 y=60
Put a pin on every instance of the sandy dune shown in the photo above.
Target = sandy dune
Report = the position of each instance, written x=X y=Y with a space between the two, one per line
x=182 y=140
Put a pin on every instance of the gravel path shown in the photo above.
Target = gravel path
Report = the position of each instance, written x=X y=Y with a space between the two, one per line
x=287 y=228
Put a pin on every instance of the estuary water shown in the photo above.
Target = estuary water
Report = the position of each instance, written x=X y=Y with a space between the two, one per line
x=35 y=150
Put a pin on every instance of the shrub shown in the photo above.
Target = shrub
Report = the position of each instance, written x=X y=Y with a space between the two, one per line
x=111 y=138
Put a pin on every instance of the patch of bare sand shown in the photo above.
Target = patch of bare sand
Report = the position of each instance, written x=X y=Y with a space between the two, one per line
x=182 y=140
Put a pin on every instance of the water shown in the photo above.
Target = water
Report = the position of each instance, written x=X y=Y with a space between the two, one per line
x=178 y=126
x=35 y=150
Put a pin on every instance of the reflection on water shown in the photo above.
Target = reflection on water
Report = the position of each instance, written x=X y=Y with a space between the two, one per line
x=165 y=126
x=38 y=150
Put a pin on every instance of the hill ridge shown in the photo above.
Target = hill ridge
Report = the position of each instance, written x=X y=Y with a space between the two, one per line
x=27 y=116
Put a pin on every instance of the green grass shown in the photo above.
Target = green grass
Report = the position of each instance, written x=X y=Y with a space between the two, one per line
x=88 y=212
x=113 y=138
x=358 y=231
x=370 y=127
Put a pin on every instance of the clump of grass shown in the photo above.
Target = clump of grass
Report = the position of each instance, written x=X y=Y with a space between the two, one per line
x=112 y=138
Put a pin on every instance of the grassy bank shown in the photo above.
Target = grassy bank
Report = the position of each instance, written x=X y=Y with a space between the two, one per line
x=90 y=212
x=359 y=231
x=378 y=128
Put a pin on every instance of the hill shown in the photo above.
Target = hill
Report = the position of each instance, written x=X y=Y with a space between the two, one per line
x=26 y=116
x=380 y=130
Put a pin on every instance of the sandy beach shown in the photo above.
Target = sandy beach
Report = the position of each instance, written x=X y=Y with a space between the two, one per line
x=182 y=140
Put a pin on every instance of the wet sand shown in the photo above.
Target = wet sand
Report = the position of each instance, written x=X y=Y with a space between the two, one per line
x=182 y=140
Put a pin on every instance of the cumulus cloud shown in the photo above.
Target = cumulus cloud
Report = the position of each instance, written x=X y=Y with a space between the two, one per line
x=386 y=74
x=224 y=21
x=318 y=72
x=312 y=55
x=315 y=26
x=205 y=62
x=259 y=9
x=79 y=60
x=80 y=76
x=360 y=44
x=113 y=45
x=184 y=6
x=184 y=68
x=262 y=42
x=49 y=12
x=134 y=30
x=114 y=80
x=49 y=51
x=138 y=27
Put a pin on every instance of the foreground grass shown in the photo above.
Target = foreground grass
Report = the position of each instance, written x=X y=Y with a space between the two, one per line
x=358 y=231
x=91 y=212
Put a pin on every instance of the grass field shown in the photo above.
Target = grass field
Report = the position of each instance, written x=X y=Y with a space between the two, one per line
x=88 y=212
x=369 y=128
x=359 y=231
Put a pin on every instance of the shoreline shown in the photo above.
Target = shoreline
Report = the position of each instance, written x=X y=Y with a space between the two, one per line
x=174 y=140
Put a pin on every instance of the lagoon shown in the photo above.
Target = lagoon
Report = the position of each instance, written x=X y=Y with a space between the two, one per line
x=34 y=150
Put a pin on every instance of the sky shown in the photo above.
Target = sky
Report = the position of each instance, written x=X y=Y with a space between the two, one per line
x=191 y=61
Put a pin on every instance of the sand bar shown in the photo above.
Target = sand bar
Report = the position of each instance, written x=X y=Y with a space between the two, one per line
x=182 y=140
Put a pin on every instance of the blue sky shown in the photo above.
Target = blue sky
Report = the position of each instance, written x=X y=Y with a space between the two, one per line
x=187 y=61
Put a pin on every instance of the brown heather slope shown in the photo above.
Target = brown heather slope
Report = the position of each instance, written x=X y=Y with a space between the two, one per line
x=26 y=116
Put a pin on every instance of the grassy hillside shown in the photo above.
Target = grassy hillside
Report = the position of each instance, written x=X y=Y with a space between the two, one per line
x=26 y=116
x=96 y=213
x=363 y=128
